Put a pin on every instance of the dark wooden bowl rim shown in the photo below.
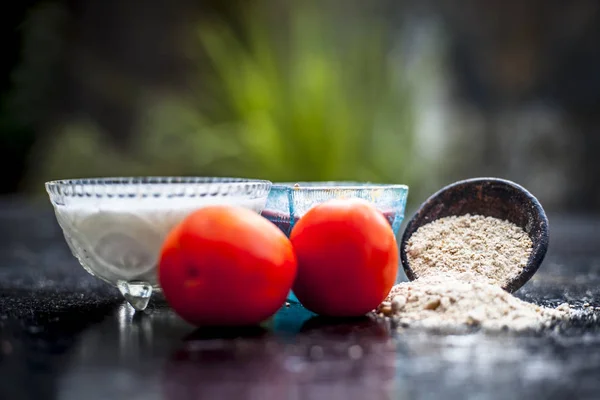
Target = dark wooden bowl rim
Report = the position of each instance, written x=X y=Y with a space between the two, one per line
x=492 y=197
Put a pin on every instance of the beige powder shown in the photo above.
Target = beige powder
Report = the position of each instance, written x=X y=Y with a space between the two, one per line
x=444 y=302
x=482 y=249
x=461 y=264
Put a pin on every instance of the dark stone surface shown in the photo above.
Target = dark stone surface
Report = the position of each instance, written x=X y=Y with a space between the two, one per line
x=491 y=197
x=66 y=335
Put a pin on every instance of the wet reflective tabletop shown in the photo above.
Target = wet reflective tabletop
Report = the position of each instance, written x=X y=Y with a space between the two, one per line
x=66 y=335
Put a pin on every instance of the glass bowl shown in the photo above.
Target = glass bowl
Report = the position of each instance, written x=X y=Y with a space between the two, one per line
x=288 y=202
x=115 y=227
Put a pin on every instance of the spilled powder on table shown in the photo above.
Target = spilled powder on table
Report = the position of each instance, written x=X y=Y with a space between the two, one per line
x=461 y=264
x=445 y=302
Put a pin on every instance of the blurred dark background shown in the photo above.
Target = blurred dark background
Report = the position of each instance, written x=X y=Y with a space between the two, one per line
x=416 y=92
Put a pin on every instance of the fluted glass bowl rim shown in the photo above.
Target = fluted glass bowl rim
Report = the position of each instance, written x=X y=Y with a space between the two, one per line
x=338 y=185
x=297 y=196
x=171 y=186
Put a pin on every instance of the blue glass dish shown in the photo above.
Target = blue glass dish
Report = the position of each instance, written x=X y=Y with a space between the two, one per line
x=288 y=202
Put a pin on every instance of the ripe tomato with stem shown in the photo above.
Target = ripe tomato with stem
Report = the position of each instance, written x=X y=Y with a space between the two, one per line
x=226 y=265
x=347 y=258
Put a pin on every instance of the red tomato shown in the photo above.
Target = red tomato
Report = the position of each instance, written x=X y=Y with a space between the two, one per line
x=226 y=265
x=347 y=258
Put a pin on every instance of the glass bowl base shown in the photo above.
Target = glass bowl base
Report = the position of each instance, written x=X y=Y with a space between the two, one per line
x=137 y=293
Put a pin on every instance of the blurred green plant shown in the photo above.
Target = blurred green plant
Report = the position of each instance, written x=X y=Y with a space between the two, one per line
x=312 y=93
x=323 y=103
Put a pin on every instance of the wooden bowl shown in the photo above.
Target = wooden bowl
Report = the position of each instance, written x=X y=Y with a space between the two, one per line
x=490 y=197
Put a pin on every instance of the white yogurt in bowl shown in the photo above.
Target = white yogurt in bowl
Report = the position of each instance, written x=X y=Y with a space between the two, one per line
x=115 y=227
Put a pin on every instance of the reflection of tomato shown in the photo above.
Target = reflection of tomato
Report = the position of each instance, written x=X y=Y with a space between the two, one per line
x=240 y=369
x=364 y=328
x=226 y=265
x=347 y=258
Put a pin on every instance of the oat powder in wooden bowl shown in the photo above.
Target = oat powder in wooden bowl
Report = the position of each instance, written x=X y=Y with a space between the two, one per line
x=467 y=247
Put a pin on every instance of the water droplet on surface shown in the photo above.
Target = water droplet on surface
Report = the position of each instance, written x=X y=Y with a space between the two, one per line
x=137 y=293
x=355 y=352
x=316 y=352
x=6 y=347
